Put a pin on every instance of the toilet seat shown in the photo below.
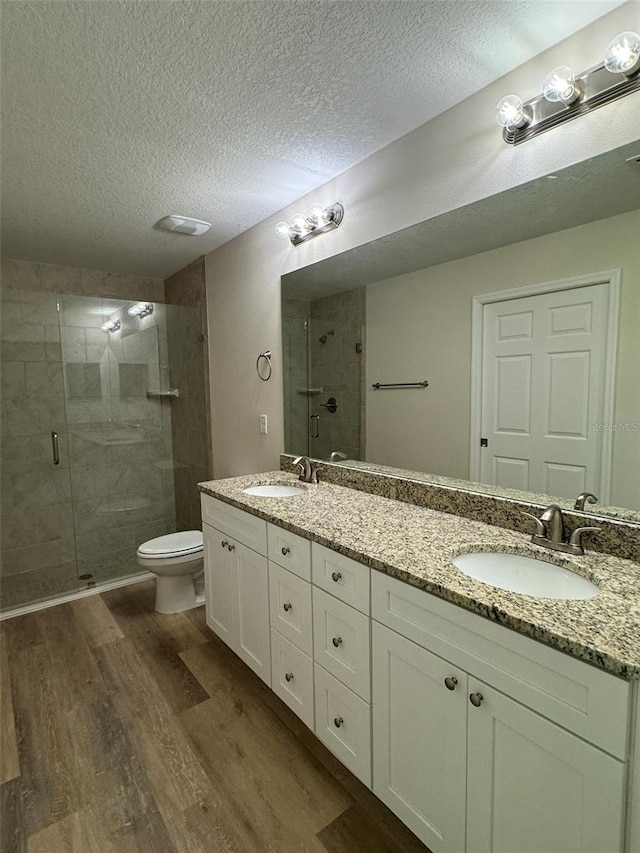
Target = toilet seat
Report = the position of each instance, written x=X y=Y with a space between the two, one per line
x=173 y=545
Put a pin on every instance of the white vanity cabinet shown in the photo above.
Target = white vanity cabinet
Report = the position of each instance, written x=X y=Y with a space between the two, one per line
x=456 y=757
x=291 y=621
x=480 y=739
x=236 y=582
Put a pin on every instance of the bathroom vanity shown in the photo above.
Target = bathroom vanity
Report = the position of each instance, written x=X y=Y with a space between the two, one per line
x=489 y=722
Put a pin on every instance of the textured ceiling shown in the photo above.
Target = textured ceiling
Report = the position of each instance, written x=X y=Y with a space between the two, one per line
x=115 y=114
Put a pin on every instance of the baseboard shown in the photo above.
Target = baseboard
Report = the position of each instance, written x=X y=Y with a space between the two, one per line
x=73 y=596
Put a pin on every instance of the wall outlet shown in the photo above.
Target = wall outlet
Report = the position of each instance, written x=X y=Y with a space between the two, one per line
x=263 y=424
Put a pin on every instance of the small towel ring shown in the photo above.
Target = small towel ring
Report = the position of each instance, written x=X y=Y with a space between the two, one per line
x=267 y=357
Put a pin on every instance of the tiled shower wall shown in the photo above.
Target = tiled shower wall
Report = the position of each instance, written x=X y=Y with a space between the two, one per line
x=105 y=379
x=325 y=352
x=189 y=372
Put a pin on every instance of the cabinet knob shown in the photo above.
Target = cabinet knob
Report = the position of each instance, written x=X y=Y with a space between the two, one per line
x=337 y=641
x=287 y=605
x=450 y=682
x=289 y=676
x=336 y=576
x=476 y=699
x=231 y=546
x=285 y=551
x=224 y=543
x=337 y=722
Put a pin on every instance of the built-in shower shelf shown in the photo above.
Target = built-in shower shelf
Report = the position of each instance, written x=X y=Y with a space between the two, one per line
x=170 y=392
x=310 y=391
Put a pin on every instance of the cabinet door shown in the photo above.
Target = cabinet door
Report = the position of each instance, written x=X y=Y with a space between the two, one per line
x=533 y=787
x=419 y=740
x=253 y=640
x=220 y=585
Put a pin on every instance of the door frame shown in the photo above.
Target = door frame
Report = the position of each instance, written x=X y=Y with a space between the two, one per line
x=612 y=279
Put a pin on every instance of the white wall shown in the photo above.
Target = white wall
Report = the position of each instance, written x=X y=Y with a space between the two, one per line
x=456 y=159
x=419 y=327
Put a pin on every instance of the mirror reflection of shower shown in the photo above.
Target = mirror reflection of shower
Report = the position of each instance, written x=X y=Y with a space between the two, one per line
x=323 y=338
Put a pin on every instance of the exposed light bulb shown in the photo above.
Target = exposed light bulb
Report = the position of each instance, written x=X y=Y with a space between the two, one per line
x=319 y=213
x=299 y=223
x=560 y=85
x=110 y=326
x=140 y=309
x=623 y=54
x=510 y=112
x=283 y=230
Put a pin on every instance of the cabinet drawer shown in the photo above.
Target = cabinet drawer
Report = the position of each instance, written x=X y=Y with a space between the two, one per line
x=342 y=577
x=343 y=723
x=341 y=642
x=290 y=551
x=292 y=677
x=577 y=696
x=290 y=607
x=245 y=528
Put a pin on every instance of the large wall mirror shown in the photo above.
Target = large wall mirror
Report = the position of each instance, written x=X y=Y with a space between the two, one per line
x=521 y=312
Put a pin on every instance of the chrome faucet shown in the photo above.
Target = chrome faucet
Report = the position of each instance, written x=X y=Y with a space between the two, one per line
x=308 y=470
x=550 y=532
x=584 y=497
x=337 y=456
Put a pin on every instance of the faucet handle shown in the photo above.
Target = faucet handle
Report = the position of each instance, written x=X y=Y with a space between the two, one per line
x=540 y=529
x=314 y=475
x=575 y=540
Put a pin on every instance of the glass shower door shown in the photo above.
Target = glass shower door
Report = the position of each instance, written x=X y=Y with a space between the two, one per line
x=38 y=543
x=120 y=446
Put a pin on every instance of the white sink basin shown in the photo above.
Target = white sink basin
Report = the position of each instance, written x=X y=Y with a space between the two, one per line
x=525 y=575
x=274 y=491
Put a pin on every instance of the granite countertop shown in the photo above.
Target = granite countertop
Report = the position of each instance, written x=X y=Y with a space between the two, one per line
x=416 y=545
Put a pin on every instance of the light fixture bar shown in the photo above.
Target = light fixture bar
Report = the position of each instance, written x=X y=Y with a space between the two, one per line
x=319 y=220
x=140 y=309
x=598 y=87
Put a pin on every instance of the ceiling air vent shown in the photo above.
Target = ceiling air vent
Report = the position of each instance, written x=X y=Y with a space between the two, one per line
x=183 y=225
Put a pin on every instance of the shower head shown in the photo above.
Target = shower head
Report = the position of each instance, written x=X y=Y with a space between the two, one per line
x=323 y=338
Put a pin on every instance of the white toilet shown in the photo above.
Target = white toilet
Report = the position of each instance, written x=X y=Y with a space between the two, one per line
x=177 y=561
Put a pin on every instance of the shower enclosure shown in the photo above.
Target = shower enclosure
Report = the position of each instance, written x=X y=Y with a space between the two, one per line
x=323 y=362
x=86 y=451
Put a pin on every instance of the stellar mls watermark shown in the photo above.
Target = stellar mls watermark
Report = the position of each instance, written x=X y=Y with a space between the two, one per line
x=615 y=426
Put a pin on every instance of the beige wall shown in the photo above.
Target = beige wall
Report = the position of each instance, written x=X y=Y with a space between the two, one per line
x=420 y=323
x=456 y=159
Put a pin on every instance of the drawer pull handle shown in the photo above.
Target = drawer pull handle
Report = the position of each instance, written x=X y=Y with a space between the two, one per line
x=287 y=606
x=289 y=676
x=337 y=722
x=224 y=543
x=231 y=547
x=285 y=551
x=476 y=699
x=337 y=641
x=336 y=576
x=450 y=683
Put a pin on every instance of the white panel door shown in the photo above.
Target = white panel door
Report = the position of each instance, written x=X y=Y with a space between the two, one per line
x=253 y=633
x=220 y=584
x=419 y=740
x=543 y=389
x=533 y=787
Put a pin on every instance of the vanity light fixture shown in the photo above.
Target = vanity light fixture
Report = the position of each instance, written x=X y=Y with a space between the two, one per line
x=140 y=309
x=110 y=326
x=566 y=96
x=319 y=220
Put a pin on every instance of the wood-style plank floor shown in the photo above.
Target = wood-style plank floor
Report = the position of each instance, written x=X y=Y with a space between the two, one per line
x=124 y=730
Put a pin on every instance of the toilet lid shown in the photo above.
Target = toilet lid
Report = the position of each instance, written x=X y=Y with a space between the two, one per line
x=184 y=542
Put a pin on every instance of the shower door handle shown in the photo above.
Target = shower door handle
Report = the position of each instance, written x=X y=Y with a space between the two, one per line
x=55 y=448
x=314 y=421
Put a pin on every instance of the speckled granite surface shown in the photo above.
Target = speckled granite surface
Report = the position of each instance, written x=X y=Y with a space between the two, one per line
x=620 y=529
x=416 y=545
